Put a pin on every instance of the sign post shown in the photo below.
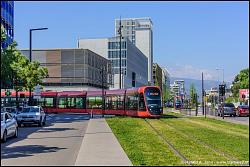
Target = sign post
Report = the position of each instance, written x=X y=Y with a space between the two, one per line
x=244 y=95
x=37 y=92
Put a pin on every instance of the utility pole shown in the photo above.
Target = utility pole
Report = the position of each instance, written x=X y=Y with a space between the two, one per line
x=103 y=100
x=120 y=35
x=196 y=104
x=202 y=84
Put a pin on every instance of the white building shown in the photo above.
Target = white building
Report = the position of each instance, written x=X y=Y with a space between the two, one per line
x=134 y=63
x=140 y=32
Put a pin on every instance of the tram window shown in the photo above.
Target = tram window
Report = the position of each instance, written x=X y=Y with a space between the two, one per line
x=142 y=106
x=41 y=102
x=48 y=102
x=120 y=103
x=71 y=102
x=98 y=102
x=91 y=102
x=79 y=102
x=132 y=102
x=62 y=102
x=108 y=102
x=114 y=103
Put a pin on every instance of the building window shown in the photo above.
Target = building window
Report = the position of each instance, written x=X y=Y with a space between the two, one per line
x=133 y=79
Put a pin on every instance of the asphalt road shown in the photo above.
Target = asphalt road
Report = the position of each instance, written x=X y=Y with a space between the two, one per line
x=240 y=120
x=57 y=143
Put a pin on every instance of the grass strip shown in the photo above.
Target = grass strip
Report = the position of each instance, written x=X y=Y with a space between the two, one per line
x=189 y=147
x=231 y=144
x=141 y=144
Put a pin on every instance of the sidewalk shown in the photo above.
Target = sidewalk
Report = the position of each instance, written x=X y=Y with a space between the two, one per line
x=100 y=147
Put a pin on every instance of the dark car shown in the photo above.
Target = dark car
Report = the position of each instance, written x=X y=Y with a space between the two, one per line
x=242 y=110
x=229 y=109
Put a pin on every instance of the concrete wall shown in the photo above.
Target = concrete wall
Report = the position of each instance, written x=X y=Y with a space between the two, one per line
x=144 y=43
x=71 y=67
x=99 y=46
x=136 y=62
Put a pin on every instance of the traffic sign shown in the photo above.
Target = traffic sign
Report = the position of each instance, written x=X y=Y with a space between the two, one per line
x=244 y=94
x=37 y=92
x=7 y=93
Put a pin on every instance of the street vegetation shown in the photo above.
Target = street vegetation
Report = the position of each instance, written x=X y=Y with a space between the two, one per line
x=17 y=72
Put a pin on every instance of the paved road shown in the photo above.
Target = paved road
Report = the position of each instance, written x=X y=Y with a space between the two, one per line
x=240 y=120
x=57 y=143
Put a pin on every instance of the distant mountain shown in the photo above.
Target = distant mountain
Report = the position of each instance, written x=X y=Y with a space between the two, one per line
x=208 y=84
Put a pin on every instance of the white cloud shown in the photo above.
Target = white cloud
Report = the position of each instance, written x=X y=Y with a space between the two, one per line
x=188 y=71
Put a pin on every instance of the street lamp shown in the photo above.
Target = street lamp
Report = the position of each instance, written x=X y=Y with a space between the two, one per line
x=120 y=35
x=35 y=29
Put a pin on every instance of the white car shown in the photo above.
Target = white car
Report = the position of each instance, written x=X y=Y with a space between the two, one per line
x=31 y=114
x=9 y=126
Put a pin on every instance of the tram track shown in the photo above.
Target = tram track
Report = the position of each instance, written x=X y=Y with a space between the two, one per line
x=178 y=153
x=226 y=155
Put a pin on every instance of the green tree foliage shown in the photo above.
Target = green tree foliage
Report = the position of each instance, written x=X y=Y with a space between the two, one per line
x=241 y=81
x=192 y=94
x=33 y=74
x=15 y=67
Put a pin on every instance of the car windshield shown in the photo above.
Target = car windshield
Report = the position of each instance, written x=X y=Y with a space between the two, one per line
x=229 y=105
x=30 y=109
x=12 y=110
x=2 y=117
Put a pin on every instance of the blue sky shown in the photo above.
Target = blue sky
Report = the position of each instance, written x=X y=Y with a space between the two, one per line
x=189 y=37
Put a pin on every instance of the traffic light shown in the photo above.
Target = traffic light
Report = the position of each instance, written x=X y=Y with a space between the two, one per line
x=7 y=93
x=222 y=90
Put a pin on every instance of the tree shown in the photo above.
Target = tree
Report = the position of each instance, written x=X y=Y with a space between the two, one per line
x=192 y=94
x=33 y=74
x=16 y=68
x=241 y=81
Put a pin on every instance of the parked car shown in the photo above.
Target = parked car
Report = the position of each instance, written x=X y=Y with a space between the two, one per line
x=229 y=109
x=14 y=111
x=242 y=110
x=9 y=126
x=32 y=114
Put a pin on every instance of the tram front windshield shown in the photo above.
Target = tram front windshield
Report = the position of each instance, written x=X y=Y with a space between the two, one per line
x=153 y=97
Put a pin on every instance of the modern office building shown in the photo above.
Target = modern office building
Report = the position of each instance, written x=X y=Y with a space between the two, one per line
x=166 y=77
x=134 y=62
x=175 y=89
x=73 y=69
x=178 y=91
x=140 y=32
x=181 y=84
x=157 y=75
x=7 y=21
x=165 y=84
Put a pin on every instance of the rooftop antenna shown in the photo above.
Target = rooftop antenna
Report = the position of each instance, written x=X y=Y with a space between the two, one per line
x=78 y=42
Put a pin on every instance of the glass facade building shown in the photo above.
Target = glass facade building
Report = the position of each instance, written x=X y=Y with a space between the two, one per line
x=140 y=32
x=134 y=69
x=7 y=21
x=114 y=55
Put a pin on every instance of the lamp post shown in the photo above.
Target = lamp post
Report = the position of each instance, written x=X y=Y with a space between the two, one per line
x=30 y=55
x=120 y=35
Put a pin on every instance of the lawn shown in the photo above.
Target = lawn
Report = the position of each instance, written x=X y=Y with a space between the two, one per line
x=201 y=141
